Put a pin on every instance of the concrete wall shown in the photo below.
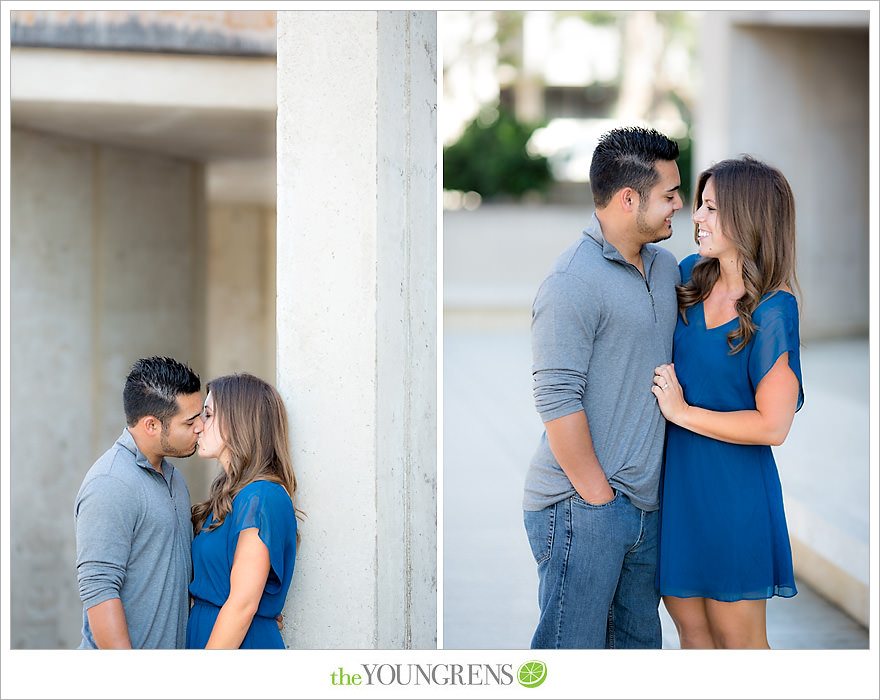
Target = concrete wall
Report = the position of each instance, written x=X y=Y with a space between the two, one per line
x=107 y=250
x=240 y=305
x=356 y=319
x=797 y=96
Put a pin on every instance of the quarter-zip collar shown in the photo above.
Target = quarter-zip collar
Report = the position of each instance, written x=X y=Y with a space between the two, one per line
x=594 y=231
x=127 y=441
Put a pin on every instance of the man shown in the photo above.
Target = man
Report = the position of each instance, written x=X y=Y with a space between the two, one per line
x=132 y=516
x=602 y=320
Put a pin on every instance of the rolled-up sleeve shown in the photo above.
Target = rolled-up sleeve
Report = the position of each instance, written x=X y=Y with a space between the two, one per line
x=104 y=518
x=565 y=319
x=558 y=393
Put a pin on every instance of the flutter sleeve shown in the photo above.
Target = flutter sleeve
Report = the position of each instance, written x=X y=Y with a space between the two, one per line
x=267 y=507
x=778 y=332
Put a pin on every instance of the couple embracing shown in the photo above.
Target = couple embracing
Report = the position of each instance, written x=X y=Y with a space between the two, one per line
x=156 y=572
x=662 y=387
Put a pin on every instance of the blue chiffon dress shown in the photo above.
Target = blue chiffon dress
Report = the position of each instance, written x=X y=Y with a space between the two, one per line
x=723 y=533
x=266 y=506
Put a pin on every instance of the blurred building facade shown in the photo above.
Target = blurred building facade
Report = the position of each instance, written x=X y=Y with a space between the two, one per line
x=792 y=88
x=143 y=221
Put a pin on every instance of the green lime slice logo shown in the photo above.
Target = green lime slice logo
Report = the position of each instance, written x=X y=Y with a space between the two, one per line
x=531 y=674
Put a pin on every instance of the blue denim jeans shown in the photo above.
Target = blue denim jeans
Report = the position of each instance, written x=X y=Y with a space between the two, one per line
x=596 y=567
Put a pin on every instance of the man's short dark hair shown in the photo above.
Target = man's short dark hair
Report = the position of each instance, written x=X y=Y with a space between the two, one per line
x=625 y=157
x=152 y=388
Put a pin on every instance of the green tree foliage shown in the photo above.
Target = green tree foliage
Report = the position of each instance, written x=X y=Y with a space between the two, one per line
x=685 y=166
x=491 y=158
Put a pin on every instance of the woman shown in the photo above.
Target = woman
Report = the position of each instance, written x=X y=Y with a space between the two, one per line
x=245 y=533
x=730 y=393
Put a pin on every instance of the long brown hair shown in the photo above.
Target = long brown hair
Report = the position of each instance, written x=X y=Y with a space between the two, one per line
x=757 y=214
x=253 y=424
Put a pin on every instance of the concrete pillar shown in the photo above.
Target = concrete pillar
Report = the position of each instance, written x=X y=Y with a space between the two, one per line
x=106 y=249
x=356 y=322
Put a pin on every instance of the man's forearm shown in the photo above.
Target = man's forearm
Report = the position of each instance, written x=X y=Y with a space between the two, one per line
x=572 y=446
x=108 y=624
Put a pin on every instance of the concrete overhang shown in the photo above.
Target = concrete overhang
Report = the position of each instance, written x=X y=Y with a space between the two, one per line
x=802 y=19
x=216 y=110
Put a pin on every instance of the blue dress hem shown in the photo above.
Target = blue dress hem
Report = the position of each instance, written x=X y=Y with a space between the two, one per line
x=778 y=592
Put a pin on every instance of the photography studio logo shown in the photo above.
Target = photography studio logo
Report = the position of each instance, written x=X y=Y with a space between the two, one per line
x=530 y=674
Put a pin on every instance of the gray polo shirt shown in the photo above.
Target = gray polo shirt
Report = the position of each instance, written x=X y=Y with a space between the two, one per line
x=598 y=331
x=133 y=537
